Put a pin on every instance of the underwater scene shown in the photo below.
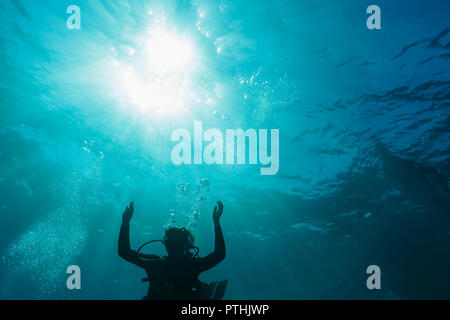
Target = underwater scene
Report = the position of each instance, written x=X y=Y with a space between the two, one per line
x=322 y=127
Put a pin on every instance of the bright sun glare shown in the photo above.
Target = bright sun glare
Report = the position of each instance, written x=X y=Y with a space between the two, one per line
x=159 y=81
x=168 y=53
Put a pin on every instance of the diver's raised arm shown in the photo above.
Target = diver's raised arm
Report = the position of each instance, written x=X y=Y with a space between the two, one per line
x=219 y=243
x=124 y=235
x=125 y=251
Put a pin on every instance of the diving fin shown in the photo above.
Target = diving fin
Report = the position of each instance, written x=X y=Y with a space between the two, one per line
x=220 y=290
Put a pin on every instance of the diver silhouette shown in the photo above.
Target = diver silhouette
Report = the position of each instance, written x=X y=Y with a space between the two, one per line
x=175 y=276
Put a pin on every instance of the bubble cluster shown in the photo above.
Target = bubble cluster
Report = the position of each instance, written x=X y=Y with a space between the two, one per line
x=189 y=203
x=43 y=253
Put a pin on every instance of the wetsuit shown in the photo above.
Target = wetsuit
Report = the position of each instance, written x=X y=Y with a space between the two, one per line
x=173 y=277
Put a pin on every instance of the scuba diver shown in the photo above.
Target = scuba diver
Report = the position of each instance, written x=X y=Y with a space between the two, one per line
x=175 y=276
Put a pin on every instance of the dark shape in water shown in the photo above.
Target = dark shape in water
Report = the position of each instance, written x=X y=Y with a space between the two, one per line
x=412 y=175
x=416 y=181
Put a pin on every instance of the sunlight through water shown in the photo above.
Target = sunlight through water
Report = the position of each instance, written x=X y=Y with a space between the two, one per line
x=159 y=80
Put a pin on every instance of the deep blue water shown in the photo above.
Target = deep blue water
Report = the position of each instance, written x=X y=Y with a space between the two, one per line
x=86 y=117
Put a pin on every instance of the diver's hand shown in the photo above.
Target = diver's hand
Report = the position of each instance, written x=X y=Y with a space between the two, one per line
x=128 y=213
x=217 y=213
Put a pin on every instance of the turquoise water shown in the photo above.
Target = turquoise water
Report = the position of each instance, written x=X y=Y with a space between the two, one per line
x=363 y=116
